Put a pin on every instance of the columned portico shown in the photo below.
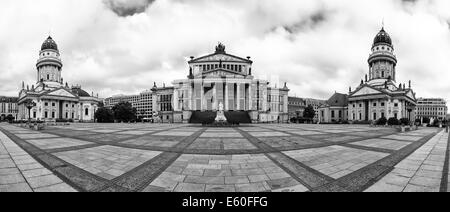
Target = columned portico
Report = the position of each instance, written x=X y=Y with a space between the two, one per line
x=227 y=79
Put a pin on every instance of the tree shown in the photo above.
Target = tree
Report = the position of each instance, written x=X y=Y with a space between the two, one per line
x=10 y=118
x=393 y=121
x=404 y=121
x=418 y=121
x=436 y=123
x=104 y=115
x=124 y=112
x=141 y=113
x=309 y=113
x=426 y=120
x=382 y=121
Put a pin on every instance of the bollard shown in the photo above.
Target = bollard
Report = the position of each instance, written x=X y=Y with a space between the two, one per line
x=447 y=129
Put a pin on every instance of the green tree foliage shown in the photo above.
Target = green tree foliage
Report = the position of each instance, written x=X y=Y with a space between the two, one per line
x=104 y=115
x=124 y=112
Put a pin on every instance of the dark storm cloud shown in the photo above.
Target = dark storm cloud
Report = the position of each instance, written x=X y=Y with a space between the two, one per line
x=311 y=22
x=125 y=8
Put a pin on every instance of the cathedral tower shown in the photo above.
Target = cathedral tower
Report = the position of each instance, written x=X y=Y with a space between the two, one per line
x=382 y=61
x=49 y=64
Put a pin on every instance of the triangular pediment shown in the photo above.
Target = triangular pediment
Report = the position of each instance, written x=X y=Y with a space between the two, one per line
x=220 y=57
x=410 y=94
x=22 y=94
x=61 y=92
x=366 y=91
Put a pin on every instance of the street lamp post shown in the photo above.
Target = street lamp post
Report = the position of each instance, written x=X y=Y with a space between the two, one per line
x=29 y=104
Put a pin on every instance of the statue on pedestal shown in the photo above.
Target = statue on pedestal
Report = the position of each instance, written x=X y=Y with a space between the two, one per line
x=220 y=117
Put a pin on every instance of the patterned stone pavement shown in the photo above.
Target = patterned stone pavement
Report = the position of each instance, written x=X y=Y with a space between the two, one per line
x=250 y=158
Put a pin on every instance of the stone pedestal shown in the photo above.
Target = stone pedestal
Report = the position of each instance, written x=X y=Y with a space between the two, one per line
x=220 y=118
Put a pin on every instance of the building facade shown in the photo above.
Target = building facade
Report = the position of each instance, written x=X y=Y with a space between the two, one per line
x=53 y=99
x=335 y=109
x=432 y=108
x=214 y=80
x=8 y=107
x=378 y=95
x=298 y=105
x=224 y=79
x=153 y=105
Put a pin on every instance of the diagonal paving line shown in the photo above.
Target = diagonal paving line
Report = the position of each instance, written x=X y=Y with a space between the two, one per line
x=367 y=148
x=70 y=174
x=444 y=179
x=300 y=172
x=363 y=178
x=328 y=143
x=93 y=140
x=140 y=177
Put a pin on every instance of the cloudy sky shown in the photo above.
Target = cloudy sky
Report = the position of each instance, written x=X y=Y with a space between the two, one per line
x=316 y=46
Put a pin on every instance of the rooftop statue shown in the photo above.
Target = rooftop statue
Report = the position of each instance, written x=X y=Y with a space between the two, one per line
x=220 y=48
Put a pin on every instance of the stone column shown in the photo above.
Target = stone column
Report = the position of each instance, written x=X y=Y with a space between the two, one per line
x=202 y=97
x=214 y=104
x=238 y=97
x=226 y=97
x=175 y=100
x=250 y=99
x=191 y=96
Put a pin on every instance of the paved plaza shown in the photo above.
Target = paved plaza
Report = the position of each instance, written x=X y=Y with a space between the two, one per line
x=250 y=158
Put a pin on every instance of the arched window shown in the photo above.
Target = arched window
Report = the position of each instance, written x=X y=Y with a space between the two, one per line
x=382 y=74
x=86 y=111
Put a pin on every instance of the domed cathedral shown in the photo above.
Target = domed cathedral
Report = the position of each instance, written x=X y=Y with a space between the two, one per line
x=379 y=95
x=224 y=81
x=53 y=97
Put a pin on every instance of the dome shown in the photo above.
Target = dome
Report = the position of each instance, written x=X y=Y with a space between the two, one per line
x=80 y=92
x=49 y=44
x=382 y=38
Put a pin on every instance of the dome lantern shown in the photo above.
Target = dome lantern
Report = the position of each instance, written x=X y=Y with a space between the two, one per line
x=382 y=38
x=49 y=44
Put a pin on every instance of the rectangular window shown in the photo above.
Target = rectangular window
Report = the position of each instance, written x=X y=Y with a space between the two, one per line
x=382 y=115
x=382 y=104
x=374 y=104
x=374 y=116
x=340 y=114
x=332 y=114
x=396 y=105
x=46 y=114
x=53 y=115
